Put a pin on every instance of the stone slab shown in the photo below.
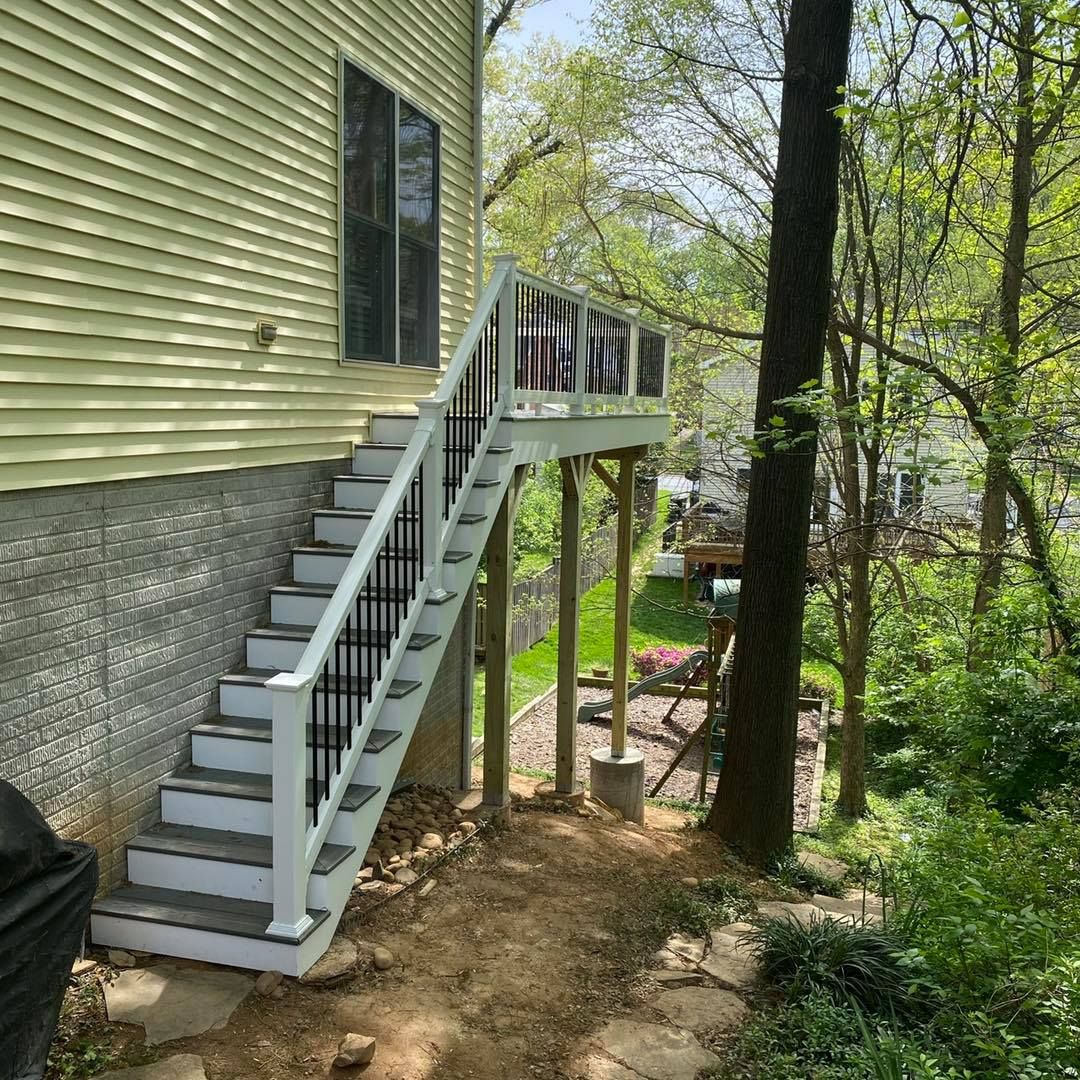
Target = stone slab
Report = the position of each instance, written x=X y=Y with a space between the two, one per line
x=656 y=1051
x=336 y=963
x=689 y=948
x=177 y=1067
x=730 y=962
x=851 y=909
x=174 y=1003
x=822 y=864
x=674 y=979
x=781 y=909
x=700 y=1009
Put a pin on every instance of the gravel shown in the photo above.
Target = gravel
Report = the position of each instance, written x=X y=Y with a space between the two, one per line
x=532 y=744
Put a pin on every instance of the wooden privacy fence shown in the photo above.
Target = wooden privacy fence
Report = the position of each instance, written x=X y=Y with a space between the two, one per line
x=536 y=600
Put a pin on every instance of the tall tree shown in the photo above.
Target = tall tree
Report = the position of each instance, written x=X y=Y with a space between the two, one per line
x=754 y=798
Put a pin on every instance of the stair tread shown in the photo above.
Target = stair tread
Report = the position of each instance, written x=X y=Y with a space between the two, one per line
x=197 y=911
x=345 y=551
x=255 y=786
x=367 y=478
x=218 y=845
x=312 y=588
x=294 y=632
x=261 y=730
x=250 y=676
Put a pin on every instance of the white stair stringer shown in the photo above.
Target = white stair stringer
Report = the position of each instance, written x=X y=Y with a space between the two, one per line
x=215 y=834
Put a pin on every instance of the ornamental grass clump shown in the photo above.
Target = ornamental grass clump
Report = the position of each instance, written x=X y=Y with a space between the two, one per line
x=845 y=960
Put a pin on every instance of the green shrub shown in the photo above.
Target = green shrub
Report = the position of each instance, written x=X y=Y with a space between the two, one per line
x=791 y=874
x=838 y=958
x=715 y=902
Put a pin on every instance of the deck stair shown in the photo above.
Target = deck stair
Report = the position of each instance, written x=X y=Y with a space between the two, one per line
x=262 y=835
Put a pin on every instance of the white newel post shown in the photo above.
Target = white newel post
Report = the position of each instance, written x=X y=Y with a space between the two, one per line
x=289 y=794
x=507 y=339
x=433 y=421
x=582 y=346
x=631 y=380
x=667 y=366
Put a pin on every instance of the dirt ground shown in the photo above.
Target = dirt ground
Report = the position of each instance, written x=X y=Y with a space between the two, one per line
x=532 y=744
x=522 y=951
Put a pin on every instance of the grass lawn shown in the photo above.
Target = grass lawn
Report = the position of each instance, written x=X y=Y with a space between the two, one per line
x=657 y=617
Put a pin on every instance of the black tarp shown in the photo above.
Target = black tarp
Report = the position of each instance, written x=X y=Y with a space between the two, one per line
x=46 y=888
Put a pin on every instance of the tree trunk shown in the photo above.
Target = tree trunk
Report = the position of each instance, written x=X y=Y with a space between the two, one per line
x=754 y=797
x=852 y=799
x=1002 y=402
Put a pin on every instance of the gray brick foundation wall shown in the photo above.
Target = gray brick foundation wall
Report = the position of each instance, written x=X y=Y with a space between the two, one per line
x=120 y=605
x=435 y=753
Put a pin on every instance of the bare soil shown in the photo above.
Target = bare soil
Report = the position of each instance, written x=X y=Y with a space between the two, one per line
x=524 y=950
x=532 y=744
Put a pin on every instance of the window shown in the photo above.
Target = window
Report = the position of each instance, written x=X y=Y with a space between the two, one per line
x=390 y=226
x=900 y=493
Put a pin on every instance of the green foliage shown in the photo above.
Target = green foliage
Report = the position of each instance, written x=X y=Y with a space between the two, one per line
x=791 y=874
x=716 y=901
x=838 y=958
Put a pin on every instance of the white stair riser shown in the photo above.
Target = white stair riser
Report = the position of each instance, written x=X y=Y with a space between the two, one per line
x=326 y=569
x=297 y=610
x=392 y=429
x=255 y=701
x=371 y=459
x=358 y=494
x=256 y=756
x=237 y=880
x=350 y=531
x=228 y=949
x=283 y=654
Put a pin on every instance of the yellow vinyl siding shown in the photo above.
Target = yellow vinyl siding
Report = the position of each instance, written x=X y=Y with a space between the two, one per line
x=168 y=175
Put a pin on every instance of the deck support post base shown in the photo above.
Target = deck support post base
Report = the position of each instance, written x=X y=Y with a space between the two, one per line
x=619 y=782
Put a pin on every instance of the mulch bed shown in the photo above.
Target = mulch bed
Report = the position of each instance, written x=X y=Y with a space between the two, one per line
x=532 y=744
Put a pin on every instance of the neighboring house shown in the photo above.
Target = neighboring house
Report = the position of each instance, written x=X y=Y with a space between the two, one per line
x=925 y=476
x=236 y=241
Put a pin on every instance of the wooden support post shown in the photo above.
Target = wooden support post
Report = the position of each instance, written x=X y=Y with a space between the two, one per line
x=575 y=471
x=500 y=613
x=623 y=581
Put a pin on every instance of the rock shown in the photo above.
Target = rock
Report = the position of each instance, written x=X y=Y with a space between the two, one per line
x=395 y=806
x=656 y=1051
x=668 y=961
x=334 y=964
x=431 y=841
x=366 y=874
x=456 y=814
x=387 y=876
x=354 y=1050
x=700 y=1009
x=268 y=982
x=83 y=967
x=372 y=857
x=598 y=1068
x=689 y=948
x=672 y=979
x=467 y=828
x=736 y=929
x=372 y=886
x=121 y=958
x=174 y=1003
x=382 y=958
x=406 y=823
x=406 y=845
x=730 y=962
x=851 y=909
x=689 y=882
x=800 y=913
x=428 y=887
x=421 y=807
x=405 y=876
x=177 y=1067
x=874 y=903
x=821 y=864
x=279 y=993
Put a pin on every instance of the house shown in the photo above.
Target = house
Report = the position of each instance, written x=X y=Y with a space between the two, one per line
x=923 y=475
x=258 y=423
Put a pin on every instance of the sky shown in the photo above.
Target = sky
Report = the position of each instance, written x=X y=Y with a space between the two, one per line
x=557 y=18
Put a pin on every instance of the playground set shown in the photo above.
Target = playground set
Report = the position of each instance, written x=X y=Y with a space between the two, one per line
x=711 y=667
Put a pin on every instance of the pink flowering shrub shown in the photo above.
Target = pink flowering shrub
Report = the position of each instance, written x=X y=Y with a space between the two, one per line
x=659 y=658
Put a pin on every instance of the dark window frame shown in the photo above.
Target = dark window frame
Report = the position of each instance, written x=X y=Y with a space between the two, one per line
x=434 y=250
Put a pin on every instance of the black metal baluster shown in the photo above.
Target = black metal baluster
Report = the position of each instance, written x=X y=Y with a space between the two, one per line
x=315 y=754
x=326 y=729
x=378 y=615
x=349 y=638
x=337 y=701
